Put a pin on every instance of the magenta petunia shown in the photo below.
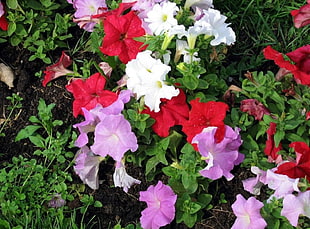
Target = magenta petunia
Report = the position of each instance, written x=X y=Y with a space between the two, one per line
x=160 y=211
x=248 y=213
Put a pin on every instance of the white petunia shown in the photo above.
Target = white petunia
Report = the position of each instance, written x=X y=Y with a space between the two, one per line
x=213 y=24
x=161 y=18
x=146 y=77
x=122 y=179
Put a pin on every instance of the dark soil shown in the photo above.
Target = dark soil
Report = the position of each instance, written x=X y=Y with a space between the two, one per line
x=117 y=205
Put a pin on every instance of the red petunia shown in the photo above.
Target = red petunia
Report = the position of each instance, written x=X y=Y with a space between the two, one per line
x=120 y=31
x=203 y=115
x=299 y=168
x=301 y=16
x=56 y=70
x=3 y=22
x=271 y=150
x=172 y=112
x=88 y=93
x=301 y=58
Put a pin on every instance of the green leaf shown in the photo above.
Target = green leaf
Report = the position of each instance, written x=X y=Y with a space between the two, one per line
x=279 y=135
x=37 y=141
x=97 y=204
x=12 y=4
x=11 y=28
x=26 y=132
x=204 y=199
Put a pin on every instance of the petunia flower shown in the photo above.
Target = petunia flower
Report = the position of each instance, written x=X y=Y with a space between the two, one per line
x=58 y=69
x=248 y=213
x=88 y=93
x=300 y=56
x=301 y=16
x=299 y=168
x=213 y=24
x=160 y=211
x=254 y=184
x=203 y=115
x=113 y=137
x=202 y=4
x=86 y=8
x=56 y=202
x=255 y=108
x=161 y=18
x=271 y=150
x=120 y=33
x=87 y=167
x=3 y=22
x=281 y=184
x=172 y=112
x=221 y=157
x=294 y=206
x=146 y=77
x=122 y=179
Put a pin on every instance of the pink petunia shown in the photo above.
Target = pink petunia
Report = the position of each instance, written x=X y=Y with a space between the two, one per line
x=160 y=211
x=255 y=108
x=248 y=213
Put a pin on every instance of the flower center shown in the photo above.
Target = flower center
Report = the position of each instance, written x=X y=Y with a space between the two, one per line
x=159 y=84
x=122 y=37
x=165 y=17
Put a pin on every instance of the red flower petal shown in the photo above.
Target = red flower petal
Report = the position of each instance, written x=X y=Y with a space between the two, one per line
x=88 y=93
x=4 y=23
x=172 y=112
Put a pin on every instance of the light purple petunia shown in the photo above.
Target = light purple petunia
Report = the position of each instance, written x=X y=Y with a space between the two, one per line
x=113 y=136
x=293 y=206
x=92 y=117
x=1 y=9
x=282 y=184
x=87 y=166
x=248 y=213
x=86 y=8
x=221 y=157
x=254 y=184
x=160 y=211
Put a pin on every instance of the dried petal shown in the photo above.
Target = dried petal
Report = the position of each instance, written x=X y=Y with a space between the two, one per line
x=6 y=75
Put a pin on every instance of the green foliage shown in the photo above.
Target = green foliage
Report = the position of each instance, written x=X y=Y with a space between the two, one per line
x=27 y=185
x=37 y=26
x=16 y=103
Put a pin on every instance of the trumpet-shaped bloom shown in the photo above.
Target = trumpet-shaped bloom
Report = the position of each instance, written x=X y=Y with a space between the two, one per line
x=203 y=115
x=221 y=157
x=122 y=179
x=299 y=168
x=282 y=184
x=301 y=16
x=172 y=112
x=86 y=8
x=58 y=69
x=161 y=18
x=213 y=24
x=146 y=77
x=120 y=31
x=248 y=213
x=113 y=136
x=92 y=117
x=294 y=206
x=160 y=211
x=254 y=184
x=88 y=93
x=255 y=108
x=300 y=56
x=87 y=167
